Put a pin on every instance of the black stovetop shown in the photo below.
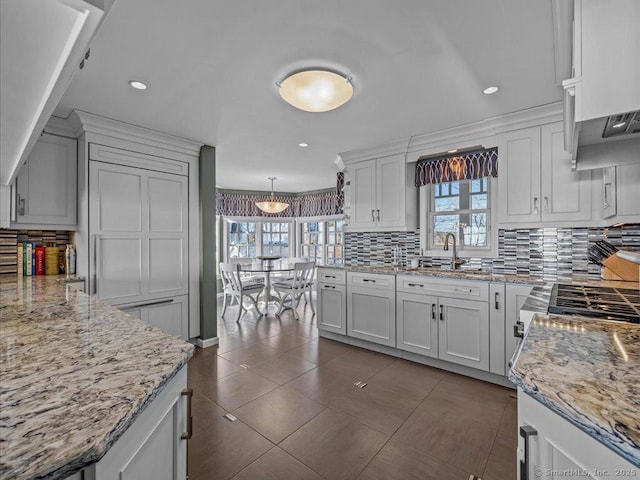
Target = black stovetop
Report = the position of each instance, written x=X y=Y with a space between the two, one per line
x=602 y=302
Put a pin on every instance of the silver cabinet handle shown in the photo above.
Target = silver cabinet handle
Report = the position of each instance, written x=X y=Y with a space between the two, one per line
x=526 y=431
x=329 y=276
x=368 y=280
x=535 y=205
x=441 y=312
x=21 y=205
x=378 y=212
x=188 y=392
x=330 y=286
x=496 y=303
x=149 y=304
x=433 y=311
x=546 y=204
x=373 y=217
x=607 y=195
x=415 y=285
x=96 y=264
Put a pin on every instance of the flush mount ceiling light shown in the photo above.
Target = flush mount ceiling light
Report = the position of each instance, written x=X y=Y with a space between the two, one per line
x=271 y=205
x=316 y=90
x=138 y=85
x=490 y=90
x=303 y=144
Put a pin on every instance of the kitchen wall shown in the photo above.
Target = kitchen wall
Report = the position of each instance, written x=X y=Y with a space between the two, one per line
x=9 y=240
x=548 y=252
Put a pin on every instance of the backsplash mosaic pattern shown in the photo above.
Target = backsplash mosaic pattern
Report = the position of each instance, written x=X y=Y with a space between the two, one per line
x=9 y=240
x=546 y=252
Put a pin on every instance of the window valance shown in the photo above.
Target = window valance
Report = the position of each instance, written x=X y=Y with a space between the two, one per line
x=305 y=205
x=466 y=166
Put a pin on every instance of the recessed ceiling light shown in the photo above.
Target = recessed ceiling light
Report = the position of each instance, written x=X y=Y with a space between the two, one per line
x=452 y=151
x=316 y=90
x=619 y=125
x=490 y=90
x=138 y=85
x=303 y=144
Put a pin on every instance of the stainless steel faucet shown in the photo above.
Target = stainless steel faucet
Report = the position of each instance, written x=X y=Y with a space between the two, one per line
x=454 y=257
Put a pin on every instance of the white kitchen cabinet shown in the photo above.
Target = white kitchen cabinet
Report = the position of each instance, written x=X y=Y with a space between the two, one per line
x=515 y=296
x=464 y=332
x=154 y=447
x=556 y=448
x=46 y=187
x=382 y=195
x=371 y=307
x=417 y=323
x=332 y=301
x=170 y=315
x=621 y=194
x=497 y=333
x=536 y=184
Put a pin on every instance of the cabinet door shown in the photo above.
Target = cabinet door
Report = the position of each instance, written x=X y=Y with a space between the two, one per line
x=363 y=194
x=628 y=191
x=566 y=195
x=417 y=323
x=497 y=328
x=390 y=189
x=519 y=176
x=152 y=447
x=171 y=315
x=371 y=315
x=464 y=332
x=46 y=187
x=332 y=308
x=515 y=296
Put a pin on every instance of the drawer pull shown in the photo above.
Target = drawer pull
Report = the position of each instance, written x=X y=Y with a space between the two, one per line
x=415 y=285
x=330 y=286
x=497 y=303
x=441 y=312
x=368 y=280
x=463 y=290
x=329 y=276
x=188 y=392
x=526 y=431
x=433 y=311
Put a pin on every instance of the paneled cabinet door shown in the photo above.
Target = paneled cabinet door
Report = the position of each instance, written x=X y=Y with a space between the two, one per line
x=371 y=314
x=519 y=177
x=170 y=315
x=332 y=309
x=390 y=201
x=139 y=229
x=417 y=323
x=46 y=187
x=363 y=195
x=566 y=194
x=464 y=332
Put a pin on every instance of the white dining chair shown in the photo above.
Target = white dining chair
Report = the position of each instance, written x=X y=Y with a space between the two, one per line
x=235 y=287
x=293 y=288
x=247 y=277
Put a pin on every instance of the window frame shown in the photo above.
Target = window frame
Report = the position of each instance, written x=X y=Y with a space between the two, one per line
x=259 y=221
x=426 y=195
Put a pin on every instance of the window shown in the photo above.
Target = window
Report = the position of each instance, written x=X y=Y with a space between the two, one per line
x=312 y=240
x=462 y=208
x=335 y=242
x=275 y=238
x=241 y=240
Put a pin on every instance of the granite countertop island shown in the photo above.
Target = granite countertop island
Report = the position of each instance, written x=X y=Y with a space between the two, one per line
x=587 y=371
x=74 y=375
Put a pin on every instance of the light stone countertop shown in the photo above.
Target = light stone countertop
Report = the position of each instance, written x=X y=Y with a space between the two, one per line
x=587 y=371
x=74 y=375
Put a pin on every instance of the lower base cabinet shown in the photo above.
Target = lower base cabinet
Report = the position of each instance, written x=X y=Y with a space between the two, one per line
x=170 y=315
x=152 y=448
x=371 y=308
x=463 y=336
x=417 y=324
x=332 y=309
x=555 y=448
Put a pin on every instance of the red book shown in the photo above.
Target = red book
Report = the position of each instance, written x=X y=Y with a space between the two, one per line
x=39 y=260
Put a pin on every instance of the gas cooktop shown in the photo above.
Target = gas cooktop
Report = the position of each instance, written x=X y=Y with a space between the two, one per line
x=603 y=302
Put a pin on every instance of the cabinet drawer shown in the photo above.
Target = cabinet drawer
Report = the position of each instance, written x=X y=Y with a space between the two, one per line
x=372 y=280
x=473 y=290
x=332 y=275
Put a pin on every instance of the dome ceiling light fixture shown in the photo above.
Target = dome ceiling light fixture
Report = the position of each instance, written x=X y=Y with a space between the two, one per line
x=271 y=205
x=316 y=90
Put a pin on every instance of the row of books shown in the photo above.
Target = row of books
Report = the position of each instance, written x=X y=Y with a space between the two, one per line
x=34 y=260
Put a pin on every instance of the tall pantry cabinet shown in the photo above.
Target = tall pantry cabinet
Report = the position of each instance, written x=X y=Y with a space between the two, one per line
x=139 y=239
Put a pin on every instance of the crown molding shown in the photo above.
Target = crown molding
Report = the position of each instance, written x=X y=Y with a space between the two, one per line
x=88 y=122
x=385 y=150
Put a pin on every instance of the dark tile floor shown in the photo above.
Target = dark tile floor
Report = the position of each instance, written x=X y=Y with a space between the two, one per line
x=300 y=416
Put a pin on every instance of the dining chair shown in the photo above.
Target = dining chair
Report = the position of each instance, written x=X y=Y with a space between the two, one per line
x=235 y=287
x=247 y=277
x=295 y=287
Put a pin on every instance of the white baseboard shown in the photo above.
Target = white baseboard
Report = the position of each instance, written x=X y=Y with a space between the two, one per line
x=209 y=342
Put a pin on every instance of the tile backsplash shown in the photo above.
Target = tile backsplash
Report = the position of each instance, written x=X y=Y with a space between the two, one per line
x=547 y=252
x=9 y=240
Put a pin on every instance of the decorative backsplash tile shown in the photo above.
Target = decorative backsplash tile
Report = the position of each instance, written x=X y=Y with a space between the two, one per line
x=547 y=252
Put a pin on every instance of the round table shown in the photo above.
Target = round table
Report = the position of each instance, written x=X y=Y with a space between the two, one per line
x=268 y=267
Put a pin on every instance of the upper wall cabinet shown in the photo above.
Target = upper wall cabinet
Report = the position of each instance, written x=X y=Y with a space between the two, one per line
x=620 y=194
x=536 y=184
x=46 y=187
x=381 y=195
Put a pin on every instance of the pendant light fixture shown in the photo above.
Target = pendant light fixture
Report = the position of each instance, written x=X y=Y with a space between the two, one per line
x=316 y=90
x=270 y=205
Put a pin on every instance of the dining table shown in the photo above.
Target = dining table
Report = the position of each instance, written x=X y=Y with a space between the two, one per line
x=268 y=266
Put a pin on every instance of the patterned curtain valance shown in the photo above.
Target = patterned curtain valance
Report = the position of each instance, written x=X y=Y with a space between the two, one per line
x=465 y=166
x=305 y=205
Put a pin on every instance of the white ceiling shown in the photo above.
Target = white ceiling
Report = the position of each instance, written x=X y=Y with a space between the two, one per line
x=417 y=65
